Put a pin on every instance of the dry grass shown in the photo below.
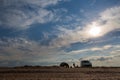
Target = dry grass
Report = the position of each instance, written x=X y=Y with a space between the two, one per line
x=60 y=74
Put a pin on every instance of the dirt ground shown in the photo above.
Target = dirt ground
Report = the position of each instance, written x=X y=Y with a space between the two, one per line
x=60 y=74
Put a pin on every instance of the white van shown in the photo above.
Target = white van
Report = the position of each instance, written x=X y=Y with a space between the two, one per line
x=86 y=63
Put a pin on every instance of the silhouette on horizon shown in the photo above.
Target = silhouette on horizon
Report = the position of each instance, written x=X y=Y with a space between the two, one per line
x=64 y=64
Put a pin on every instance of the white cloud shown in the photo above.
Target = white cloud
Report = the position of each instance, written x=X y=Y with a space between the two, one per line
x=79 y=51
x=115 y=52
x=108 y=20
x=20 y=14
x=98 y=58
x=108 y=55
x=40 y=3
x=106 y=47
x=23 y=50
x=92 y=49
x=67 y=37
x=31 y=52
x=43 y=3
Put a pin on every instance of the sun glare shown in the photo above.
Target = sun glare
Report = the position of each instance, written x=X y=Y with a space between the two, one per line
x=95 y=31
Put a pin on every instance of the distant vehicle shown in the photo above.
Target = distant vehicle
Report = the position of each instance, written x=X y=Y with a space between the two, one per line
x=86 y=63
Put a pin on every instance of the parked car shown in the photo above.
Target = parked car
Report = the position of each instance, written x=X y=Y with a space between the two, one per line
x=86 y=63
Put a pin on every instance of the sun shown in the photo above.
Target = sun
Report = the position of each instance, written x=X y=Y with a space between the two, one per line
x=95 y=31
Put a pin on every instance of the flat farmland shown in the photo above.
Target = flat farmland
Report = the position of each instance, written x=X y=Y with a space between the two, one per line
x=60 y=74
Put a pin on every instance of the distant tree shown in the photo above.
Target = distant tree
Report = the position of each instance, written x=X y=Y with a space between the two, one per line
x=27 y=66
x=64 y=64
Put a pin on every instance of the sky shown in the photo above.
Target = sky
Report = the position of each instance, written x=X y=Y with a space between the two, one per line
x=48 y=32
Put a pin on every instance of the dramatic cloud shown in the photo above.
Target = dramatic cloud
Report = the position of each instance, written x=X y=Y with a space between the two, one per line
x=108 y=20
x=20 y=14
x=26 y=51
x=51 y=31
